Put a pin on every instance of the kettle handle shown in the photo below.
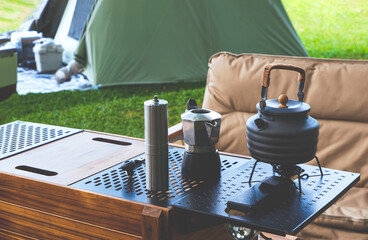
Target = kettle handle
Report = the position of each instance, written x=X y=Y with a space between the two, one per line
x=267 y=75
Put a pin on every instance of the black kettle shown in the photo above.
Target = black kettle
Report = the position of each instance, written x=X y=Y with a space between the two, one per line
x=282 y=132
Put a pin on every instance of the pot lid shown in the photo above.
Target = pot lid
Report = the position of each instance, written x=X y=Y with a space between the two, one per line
x=284 y=106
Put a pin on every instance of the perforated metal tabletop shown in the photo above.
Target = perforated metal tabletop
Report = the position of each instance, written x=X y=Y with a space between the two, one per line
x=288 y=216
x=19 y=136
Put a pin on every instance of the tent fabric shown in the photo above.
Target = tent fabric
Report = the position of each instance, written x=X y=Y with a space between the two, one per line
x=72 y=25
x=167 y=41
x=80 y=16
x=46 y=18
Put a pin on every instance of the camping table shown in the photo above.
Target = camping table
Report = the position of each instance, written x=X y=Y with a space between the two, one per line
x=58 y=182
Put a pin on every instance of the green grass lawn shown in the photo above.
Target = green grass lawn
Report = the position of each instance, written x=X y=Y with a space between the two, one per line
x=115 y=110
x=331 y=29
x=328 y=29
x=14 y=12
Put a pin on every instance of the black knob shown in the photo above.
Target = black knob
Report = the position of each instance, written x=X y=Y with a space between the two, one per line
x=192 y=104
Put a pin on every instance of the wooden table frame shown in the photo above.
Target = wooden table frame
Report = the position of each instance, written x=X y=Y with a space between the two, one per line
x=39 y=207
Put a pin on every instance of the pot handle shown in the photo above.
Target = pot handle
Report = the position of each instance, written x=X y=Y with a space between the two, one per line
x=266 y=80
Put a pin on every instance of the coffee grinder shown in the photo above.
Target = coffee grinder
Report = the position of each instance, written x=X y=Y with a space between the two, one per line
x=201 y=130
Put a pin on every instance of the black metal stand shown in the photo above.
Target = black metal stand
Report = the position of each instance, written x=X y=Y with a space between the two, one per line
x=251 y=174
x=319 y=165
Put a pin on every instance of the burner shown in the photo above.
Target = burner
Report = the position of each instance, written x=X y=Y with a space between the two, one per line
x=287 y=170
x=280 y=185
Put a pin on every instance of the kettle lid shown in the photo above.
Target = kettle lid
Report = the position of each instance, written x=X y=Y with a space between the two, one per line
x=284 y=106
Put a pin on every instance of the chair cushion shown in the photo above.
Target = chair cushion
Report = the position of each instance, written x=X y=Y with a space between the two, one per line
x=347 y=219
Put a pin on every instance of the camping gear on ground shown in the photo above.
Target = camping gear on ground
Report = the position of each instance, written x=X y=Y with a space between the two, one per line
x=4 y=38
x=48 y=55
x=156 y=144
x=8 y=70
x=201 y=130
x=65 y=74
x=30 y=81
x=24 y=43
x=130 y=42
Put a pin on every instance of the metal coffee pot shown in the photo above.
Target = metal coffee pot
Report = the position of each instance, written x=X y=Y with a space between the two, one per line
x=282 y=132
x=201 y=130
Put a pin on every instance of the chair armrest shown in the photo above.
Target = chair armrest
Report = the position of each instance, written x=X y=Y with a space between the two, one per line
x=175 y=131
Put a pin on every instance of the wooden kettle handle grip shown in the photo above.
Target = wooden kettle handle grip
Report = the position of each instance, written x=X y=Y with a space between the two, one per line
x=268 y=68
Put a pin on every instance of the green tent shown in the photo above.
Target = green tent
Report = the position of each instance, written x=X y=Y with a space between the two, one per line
x=165 y=41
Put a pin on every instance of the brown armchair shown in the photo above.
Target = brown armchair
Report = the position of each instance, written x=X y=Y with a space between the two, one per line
x=335 y=89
